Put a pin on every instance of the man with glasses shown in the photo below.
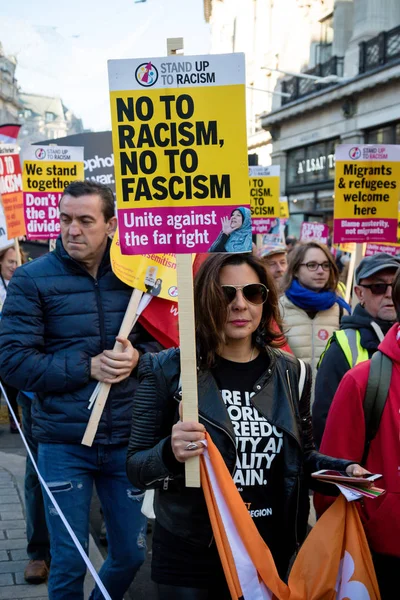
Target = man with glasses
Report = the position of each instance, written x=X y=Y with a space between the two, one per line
x=360 y=333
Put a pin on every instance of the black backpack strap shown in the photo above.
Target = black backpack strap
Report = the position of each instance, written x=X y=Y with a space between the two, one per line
x=341 y=311
x=380 y=374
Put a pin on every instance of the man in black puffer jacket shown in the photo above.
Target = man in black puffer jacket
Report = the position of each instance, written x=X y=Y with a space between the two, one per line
x=59 y=324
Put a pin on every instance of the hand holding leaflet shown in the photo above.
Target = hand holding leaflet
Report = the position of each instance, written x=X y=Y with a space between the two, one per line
x=353 y=488
x=364 y=480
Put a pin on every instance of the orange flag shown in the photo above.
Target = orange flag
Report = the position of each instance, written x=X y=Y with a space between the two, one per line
x=334 y=562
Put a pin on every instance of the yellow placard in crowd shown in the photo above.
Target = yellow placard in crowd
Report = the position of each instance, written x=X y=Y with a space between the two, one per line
x=47 y=171
x=367 y=183
x=151 y=273
x=179 y=139
x=350 y=247
x=283 y=207
x=264 y=196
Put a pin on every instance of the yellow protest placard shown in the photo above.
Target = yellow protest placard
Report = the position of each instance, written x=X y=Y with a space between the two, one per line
x=350 y=247
x=366 y=193
x=284 y=207
x=180 y=164
x=47 y=171
x=264 y=197
x=151 y=273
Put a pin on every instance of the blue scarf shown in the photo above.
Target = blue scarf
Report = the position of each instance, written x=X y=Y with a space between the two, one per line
x=316 y=301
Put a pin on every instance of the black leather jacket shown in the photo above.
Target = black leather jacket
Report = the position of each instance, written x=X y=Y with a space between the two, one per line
x=151 y=463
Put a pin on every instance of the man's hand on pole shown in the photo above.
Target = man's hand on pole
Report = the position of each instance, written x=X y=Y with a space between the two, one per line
x=113 y=366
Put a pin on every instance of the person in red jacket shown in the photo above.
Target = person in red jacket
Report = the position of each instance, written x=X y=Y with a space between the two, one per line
x=344 y=437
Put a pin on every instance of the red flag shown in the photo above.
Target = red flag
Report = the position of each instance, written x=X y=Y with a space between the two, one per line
x=160 y=319
x=9 y=133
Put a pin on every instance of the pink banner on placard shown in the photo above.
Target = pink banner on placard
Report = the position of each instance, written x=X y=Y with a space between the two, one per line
x=264 y=226
x=42 y=217
x=363 y=230
x=314 y=231
x=177 y=230
x=372 y=249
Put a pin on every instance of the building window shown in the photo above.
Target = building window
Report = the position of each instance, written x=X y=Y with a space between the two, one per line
x=386 y=134
x=397 y=134
x=312 y=164
x=324 y=48
x=27 y=113
x=49 y=117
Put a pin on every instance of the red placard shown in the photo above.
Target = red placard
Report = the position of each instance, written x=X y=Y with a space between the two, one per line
x=11 y=190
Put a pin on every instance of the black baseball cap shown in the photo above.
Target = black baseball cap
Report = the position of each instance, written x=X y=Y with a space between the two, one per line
x=373 y=264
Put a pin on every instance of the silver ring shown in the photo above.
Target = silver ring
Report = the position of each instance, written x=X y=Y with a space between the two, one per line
x=191 y=446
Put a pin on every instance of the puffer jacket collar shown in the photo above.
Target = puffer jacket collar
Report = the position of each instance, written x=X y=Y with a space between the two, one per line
x=76 y=267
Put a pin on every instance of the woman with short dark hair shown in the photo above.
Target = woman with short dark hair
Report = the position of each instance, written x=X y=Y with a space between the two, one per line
x=251 y=406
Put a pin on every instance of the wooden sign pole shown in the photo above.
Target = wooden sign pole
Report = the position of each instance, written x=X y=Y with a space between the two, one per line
x=104 y=390
x=187 y=343
x=187 y=335
x=17 y=252
x=359 y=255
x=350 y=276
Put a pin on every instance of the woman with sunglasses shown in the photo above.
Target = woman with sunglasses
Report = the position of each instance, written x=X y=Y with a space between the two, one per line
x=251 y=406
x=311 y=308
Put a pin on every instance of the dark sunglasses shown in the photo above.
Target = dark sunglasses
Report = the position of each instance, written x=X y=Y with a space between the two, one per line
x=377 y=289
x=255 y=293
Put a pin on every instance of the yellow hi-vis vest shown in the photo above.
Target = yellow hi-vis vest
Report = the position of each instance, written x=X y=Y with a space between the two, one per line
x=349 y=341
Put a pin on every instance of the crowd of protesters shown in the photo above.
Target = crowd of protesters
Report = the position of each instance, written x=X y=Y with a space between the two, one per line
x=273 y=332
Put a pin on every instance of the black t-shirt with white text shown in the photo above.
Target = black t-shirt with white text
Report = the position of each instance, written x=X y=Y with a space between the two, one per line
x=259 y=465
x=258 y=477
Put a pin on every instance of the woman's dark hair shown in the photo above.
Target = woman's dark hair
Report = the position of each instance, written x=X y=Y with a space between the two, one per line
x=296 y=257
x=396 y=294
x=211 y=307
x=240 y=212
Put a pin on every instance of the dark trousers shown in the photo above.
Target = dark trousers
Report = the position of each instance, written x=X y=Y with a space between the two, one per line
x=172 y=592
x=387 y=570
x=36 y=528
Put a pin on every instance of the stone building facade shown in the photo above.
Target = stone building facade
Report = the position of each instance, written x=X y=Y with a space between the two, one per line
x=9 y=100
x=348 y=52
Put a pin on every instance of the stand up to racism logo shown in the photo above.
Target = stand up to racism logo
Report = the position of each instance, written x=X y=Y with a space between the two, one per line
x=146 y=74
x=40 y=153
